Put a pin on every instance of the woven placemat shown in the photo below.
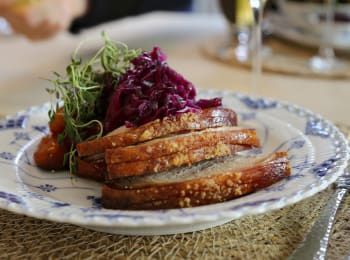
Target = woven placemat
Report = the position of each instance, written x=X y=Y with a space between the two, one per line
x=279 y=56
x=273 y=235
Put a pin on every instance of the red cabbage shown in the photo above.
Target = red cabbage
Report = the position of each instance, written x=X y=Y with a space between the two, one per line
x=150 y=89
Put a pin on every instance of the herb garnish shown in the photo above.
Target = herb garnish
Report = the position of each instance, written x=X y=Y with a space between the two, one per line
x=79 y=93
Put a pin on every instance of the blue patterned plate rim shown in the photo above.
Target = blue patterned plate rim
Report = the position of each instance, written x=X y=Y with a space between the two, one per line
x=318 y=152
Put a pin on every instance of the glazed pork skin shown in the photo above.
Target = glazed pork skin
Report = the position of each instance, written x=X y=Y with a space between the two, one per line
x=204 y=183
x=181 y=123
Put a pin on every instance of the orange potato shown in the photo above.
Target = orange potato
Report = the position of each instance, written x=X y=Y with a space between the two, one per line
x=50 y=154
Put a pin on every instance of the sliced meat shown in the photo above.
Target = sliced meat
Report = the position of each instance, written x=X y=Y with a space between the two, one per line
x=167 y=162
x=207 y=118
x=206 y=182
x=182 y=142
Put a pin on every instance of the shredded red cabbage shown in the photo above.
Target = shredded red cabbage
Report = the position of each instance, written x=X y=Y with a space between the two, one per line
x=151 y=90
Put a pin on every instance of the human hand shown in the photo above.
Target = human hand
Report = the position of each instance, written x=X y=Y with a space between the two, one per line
x=41 y=19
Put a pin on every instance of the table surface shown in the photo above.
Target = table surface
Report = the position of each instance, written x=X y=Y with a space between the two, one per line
x=26 y=66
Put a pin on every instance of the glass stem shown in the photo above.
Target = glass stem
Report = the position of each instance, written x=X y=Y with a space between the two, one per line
x=326 y=49
x=256 y=61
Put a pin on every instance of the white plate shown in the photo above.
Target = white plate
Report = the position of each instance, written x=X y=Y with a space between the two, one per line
x=282 y=27
x=317 y=150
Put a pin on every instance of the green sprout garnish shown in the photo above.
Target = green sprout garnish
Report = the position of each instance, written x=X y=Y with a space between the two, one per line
x=79 y=93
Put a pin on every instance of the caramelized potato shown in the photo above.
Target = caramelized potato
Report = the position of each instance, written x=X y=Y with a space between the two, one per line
x=57 y=124
x=50 y=154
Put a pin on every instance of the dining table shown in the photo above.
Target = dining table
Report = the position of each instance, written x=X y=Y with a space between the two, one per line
x=26 y=68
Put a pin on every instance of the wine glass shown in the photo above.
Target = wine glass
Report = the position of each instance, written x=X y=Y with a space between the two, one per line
x=326 y=61
x=245 y=45
x=240 y=20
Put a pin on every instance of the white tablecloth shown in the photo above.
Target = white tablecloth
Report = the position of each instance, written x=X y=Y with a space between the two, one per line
x=25 y=65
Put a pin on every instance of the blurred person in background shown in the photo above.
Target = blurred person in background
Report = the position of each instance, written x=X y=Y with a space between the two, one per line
x=42 y=19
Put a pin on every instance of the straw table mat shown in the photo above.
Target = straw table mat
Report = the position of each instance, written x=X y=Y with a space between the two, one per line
x=278 y=56
x=272 y=235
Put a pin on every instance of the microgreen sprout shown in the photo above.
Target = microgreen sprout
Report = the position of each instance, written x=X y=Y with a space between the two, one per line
x=79 y=92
